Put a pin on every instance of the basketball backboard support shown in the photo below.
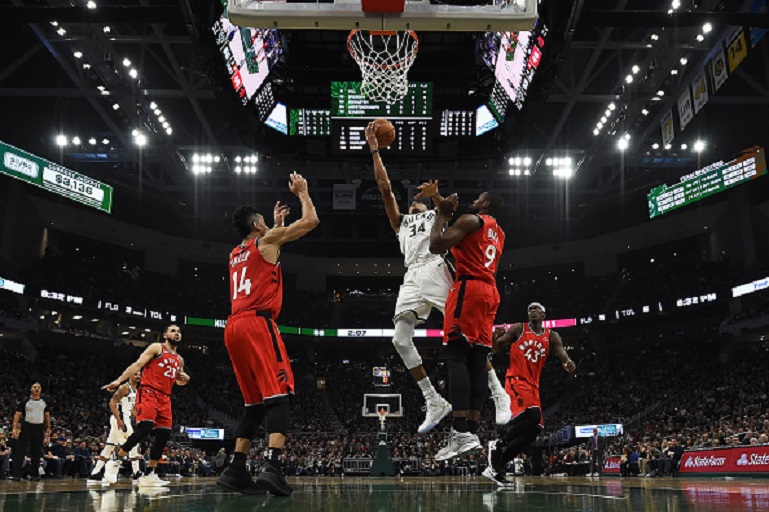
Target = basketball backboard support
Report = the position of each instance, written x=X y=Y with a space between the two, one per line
x=418 y=15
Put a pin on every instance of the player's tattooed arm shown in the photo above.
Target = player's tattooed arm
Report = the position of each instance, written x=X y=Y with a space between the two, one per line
x=502 y=339
x=150 y=352
x=440 y=240
x=557 y=344
x=383 y=180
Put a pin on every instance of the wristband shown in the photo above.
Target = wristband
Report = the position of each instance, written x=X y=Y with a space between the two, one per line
x=374 y=151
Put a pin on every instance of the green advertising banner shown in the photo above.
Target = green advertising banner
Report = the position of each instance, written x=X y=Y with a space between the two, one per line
x=708 y=181
x=54 y=178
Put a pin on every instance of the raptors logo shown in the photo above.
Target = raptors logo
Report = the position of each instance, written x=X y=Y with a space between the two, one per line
x=282 y=376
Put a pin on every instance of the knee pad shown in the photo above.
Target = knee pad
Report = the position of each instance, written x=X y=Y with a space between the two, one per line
x=142 y=430
x=249 y=422
x=403 y=340
x=277 y=418
x=162 y=436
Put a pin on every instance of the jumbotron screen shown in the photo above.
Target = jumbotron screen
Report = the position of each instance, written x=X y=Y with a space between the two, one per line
x=347 y=100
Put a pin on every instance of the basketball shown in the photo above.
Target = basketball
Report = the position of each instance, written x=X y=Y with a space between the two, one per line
x=385 y=132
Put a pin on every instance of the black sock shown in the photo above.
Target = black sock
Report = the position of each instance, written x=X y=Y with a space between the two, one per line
x=273 y=457
x=239 y=460
x=460 y=425
x=472 y=426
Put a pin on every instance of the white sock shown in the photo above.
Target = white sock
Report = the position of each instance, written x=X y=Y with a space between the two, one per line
x=427 y=388
x=494 y=385
x=135 y=466
x=99 y=464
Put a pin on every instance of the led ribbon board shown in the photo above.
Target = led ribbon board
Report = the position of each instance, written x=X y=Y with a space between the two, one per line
x=55 y=178
x=708 y=181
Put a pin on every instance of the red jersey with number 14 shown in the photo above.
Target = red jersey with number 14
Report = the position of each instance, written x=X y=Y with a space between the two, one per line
x=528 y=355
x=255 y=283
x=161 y=372
x=478 y=254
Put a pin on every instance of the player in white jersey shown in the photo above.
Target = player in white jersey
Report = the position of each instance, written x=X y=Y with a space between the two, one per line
x=425 y=286
x=121 y=406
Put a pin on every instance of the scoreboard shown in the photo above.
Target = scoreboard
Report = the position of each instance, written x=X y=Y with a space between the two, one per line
x=347 y=100
x=751 y=164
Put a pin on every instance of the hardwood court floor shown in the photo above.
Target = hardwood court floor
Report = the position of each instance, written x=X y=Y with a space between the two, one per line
x=400 y=495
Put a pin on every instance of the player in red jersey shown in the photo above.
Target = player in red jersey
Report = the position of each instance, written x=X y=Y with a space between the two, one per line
x=529 y=346
x=161 y=368
x=476 y=241
x=259 y=358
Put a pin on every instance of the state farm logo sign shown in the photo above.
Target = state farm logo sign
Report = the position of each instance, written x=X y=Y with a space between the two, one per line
x=755 y=459
x=705 y=462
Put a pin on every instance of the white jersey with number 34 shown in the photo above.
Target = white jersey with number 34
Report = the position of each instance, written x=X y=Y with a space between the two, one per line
x=414 y=237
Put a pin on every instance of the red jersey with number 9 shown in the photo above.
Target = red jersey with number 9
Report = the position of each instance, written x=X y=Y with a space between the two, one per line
x=161 y=372
x=528 y=355
x=478 y=254
x=255 y=283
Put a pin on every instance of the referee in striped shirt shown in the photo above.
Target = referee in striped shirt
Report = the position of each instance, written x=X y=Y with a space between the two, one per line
x=30 y=423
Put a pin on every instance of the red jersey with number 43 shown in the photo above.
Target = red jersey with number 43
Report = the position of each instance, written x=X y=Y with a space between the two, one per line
x=161 y=372
x=528 y=355
x=255 y=283
x=478 y=254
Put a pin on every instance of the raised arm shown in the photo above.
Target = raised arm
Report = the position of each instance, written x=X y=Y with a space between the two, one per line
x=277 y=236
x=503 y=339
x=557 y=345
x=430 y=189
x=440 y=240
x=151 y=351
x=382 y=180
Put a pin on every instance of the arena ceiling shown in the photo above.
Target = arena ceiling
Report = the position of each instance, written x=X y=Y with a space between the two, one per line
x=74 y=78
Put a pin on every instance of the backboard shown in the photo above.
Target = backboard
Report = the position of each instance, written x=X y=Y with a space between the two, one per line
x=372 y=403
x=418 y=15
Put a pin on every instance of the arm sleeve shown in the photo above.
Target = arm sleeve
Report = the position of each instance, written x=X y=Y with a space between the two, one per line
x=22 y=408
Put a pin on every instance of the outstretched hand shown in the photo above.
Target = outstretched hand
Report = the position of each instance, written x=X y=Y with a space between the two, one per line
x=297 y=184
x=449 y=205
x=373 y=143
x=570 y=366
x=428 y=189
x=280 y=212
x=112 y=386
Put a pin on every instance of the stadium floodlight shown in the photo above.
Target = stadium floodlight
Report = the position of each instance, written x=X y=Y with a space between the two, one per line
x=511 y=161
x=612 y=106
x=684 y=146
x=55 y=23
x=668 y=146
x=153 y=105
x=518 y=160
x=603 y=119
x=684 y=61
x=655 y=146
x=61 y=140
x=133 y=73
x=237 y=169
x=106 y=29
x=645 y=112
x=511 y=172
x=196 y=158
x=700 y=38
x=140 y=140
x=86 y=65
x=217 y=159
x=166 y=125
x=655 y=37
x=61 y=31
x=599 y=125
x=527 y=172
x=92 y=141
x=629 y=79
x=238 y=159
x=527 y=161
x=596 y=131
x=622 y=144
x=660 y=93
x=699 y=146
x=78 y=55
x=636 y=69
x=157 y=111
x=676 y=4
x=91 y=4
x=707 y=28
x=76 y=140
x=126 y=62
x=115 y=106
x=105 y=141
x=162 y=119
x=169 y=131
x=549 y=161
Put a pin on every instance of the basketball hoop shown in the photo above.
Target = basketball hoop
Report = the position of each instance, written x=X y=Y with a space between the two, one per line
x=384 y=58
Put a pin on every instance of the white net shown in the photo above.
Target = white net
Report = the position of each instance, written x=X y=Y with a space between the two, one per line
x=384 y=59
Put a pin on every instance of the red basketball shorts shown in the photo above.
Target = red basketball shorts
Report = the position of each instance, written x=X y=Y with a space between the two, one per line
x=259 y=358
x=470 y=310
x=152 y=405
x=522 y=396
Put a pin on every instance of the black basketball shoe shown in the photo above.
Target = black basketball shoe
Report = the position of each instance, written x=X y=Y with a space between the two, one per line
x=271 y=479
x=239 y=480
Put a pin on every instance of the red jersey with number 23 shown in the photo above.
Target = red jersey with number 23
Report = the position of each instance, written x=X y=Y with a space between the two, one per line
x=478 y=254
x=528 y=355
x=161 y=372
x=255 y=283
